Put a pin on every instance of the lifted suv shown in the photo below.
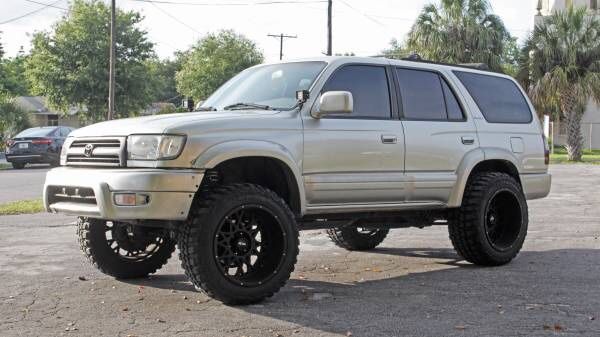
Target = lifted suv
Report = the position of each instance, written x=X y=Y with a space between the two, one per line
x=352 y=145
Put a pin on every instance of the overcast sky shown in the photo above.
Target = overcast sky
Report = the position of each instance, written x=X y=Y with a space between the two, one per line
x=364 y=27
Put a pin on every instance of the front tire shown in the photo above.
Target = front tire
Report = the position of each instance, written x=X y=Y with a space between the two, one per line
x=123 y=251
x=239 y=244
x=490 y=227
x=356 y=238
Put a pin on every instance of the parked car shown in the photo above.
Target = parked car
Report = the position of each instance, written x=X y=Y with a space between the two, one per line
x=356 y=146
x=41 y=145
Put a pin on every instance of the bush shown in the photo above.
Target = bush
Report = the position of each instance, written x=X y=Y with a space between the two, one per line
x=12 y=119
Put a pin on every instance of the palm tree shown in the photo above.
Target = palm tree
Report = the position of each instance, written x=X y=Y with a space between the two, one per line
x=561 y=68
x=460 y=31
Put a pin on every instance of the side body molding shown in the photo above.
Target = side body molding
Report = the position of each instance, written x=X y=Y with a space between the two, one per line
x=222 y=152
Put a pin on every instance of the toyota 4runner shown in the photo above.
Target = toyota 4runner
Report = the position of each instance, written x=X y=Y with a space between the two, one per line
x=356 y=146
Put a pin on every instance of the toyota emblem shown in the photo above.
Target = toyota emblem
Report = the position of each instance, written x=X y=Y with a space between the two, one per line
x=88 y=149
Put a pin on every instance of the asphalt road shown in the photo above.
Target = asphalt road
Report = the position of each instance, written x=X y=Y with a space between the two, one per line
x=414 y=285
x=22 y=184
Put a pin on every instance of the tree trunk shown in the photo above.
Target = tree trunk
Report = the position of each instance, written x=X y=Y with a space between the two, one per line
x=573 y=115
x=574 y=136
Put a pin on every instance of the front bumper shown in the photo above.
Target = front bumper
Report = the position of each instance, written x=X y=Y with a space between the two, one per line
x=90 y=192
x=536 y=186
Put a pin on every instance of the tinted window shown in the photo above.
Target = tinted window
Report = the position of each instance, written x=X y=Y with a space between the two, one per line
x=422 y=96
x=36 y=132
x=498 y=99
x=452 y=106
x=369 y=88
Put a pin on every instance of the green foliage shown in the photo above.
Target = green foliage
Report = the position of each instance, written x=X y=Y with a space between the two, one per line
x=561 y=156
x=460 y=31
x=214 y=60
x=163 y=74
x=395 y=51
x=12 y=75
x=12 y=118
x=70 y=65
x=560 y=64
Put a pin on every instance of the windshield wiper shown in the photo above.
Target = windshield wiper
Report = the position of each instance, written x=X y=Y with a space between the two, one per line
x=242 y=106
x=206 y=108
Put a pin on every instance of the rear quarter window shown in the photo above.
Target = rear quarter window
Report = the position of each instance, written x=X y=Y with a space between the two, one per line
x=499 y=99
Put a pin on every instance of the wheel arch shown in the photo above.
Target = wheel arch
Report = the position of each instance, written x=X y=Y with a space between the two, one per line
x=280 y=173
x=482 y=160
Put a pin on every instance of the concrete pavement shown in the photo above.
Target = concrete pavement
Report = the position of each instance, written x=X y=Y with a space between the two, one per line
x=414 y=285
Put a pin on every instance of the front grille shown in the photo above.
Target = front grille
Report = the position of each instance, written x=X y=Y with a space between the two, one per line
x=82 y=195
x=97 y=152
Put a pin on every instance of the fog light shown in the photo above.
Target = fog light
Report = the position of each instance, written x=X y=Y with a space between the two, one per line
x=131 y=199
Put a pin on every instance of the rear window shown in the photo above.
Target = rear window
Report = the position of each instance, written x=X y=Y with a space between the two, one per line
x=35 y=132
x=500 y=100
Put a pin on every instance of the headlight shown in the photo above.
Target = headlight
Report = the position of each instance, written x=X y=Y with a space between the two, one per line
x=64 y=150
x=154 y=147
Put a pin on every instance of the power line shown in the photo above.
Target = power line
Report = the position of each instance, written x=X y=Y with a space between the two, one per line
x=46 y=4
x=173 y=17
x=219 y=4
x=30 y=13
x=363 y=14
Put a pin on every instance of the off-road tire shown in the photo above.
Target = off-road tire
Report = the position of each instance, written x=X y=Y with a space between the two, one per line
x=351 y=239
x=93 y=244
x=18 y=166
x=467 y=225
x=197 y=242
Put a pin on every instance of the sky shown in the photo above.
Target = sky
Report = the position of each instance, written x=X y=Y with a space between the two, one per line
x=364 y=27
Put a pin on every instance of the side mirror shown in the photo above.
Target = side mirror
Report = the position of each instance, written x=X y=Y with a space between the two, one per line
x=334 y=102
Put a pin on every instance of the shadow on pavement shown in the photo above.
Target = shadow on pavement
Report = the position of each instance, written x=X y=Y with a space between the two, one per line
x=536 y=293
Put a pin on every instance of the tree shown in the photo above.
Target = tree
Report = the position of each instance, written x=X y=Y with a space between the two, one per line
x=459 y=31
x=12 y=118
x=70 y=65
x=12 y=75
x=395 y=51
x=163 y=72
x=214 y=60
x=561 y=67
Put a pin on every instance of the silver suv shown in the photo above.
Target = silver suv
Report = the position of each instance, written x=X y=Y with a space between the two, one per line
x=356 y=146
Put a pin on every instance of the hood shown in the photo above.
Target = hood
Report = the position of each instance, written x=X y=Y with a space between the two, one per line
x=161 y=123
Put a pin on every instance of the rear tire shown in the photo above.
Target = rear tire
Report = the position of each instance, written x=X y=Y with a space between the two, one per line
x=18 y=166
x=351 y=238
x=490 y=227
x=127 y=252
x=239 y=244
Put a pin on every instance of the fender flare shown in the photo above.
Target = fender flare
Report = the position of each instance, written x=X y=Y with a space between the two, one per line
x=222 y=152
x=469 y=162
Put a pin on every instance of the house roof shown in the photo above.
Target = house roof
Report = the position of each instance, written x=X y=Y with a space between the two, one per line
x=37 y=105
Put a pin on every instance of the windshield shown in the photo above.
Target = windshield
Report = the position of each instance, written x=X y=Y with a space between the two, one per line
x=35 y=132
x=273 y=85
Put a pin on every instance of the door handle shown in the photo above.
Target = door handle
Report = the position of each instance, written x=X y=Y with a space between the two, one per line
x=389 y=139
x=467 y=140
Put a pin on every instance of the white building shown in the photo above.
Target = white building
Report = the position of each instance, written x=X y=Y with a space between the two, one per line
x=590 y=125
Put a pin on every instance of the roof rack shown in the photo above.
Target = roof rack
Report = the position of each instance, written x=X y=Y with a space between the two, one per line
x=414 y=57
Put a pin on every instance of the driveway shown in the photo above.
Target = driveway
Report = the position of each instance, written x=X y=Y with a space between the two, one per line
x=414 y=285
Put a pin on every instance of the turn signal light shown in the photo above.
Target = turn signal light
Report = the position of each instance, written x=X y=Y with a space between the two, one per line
x=131 y=199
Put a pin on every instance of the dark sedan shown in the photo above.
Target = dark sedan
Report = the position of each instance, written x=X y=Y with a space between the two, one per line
x=37 y=146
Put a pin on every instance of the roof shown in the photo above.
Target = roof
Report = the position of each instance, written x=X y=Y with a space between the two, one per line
x=38 y=105
x=339 y=60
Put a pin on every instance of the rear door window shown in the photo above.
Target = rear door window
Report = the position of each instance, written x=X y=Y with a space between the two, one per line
x=369 y=88
x=499 y=99
x=425 y=95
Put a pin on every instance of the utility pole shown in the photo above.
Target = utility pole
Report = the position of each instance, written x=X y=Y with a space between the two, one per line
x=281 y=37
x=111 y=70
x=329 y=12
